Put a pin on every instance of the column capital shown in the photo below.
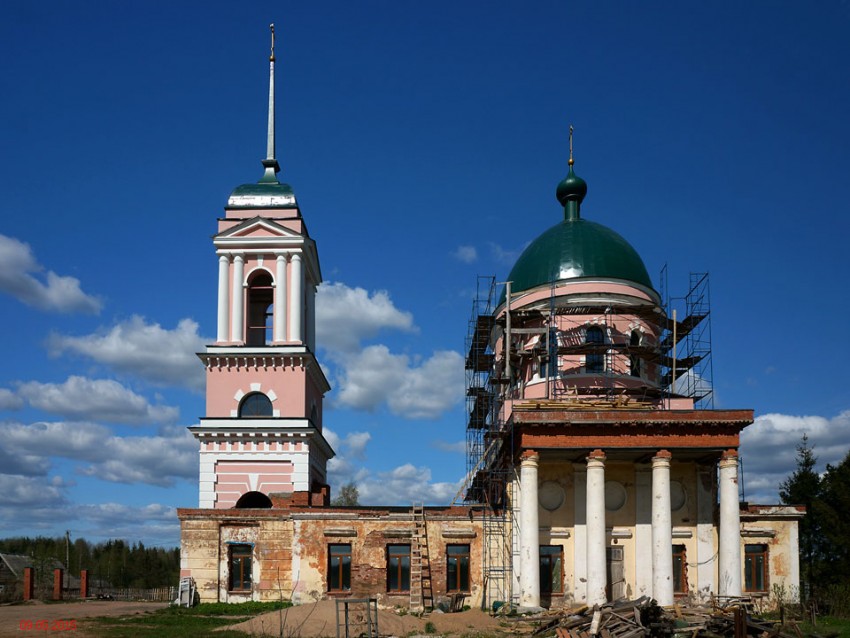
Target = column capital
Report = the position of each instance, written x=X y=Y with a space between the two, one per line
x=530 y=456
x=282 y=257
x=224 y=259
x=729 y=454
x=596 y=455
x=662 y=459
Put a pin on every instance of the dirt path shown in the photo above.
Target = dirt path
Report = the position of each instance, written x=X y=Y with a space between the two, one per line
x=37 y=618
x=318 y=620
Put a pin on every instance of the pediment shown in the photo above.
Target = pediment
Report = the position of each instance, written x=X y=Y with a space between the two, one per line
x=257 y=228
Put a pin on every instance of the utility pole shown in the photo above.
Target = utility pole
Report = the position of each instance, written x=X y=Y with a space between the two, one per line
x=67 y=558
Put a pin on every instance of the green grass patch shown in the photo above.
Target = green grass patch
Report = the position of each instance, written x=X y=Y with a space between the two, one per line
x=827 y=627
x=177 y=622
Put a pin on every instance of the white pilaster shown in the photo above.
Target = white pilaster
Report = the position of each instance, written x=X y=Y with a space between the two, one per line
x=310 y=328
x=729 y=552
x=529 y=575
x=662 y=530
x=643 y=530
x=596 y=541
x=237 y=310
x=580 y=533
x=280 y=300
x=296 y=310
x=223 y=298
x=706 y=552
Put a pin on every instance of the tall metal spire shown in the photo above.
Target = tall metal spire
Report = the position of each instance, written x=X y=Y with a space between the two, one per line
x=270 y=163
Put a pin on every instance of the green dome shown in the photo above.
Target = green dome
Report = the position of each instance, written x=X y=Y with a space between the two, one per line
x=577 y=249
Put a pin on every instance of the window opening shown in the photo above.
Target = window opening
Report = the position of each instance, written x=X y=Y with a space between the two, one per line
x=551 y=569
x=253 y=500
x=240 y=568
x=594 y=361
x=457 y=568
x=339 y=567
x=755 y=568
x=255 y=404
x=260 y=310
x=398 y=568
x=680 y=570
x=634 y=359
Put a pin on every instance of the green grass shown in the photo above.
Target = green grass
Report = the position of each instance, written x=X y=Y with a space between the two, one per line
x=178 y=622
x=827 y=627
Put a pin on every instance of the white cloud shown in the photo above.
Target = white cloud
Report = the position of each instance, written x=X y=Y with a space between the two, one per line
x=95 y=400
x=153 y=460
x=375 y=376
x=400 y=486
x=459 y=447
x=27 y=492
x=504 y=255
x=346 y=316
x=9 y=400
x=404 y=485
x=769 y=449
x=164 y=357
x=466 y=254
x=58 y=294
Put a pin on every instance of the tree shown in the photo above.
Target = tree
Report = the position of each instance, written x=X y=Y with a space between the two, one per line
x=804 y=487
x=348 y=495
x=832 y=514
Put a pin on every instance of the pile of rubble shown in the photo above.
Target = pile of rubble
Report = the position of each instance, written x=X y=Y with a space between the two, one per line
x=643 y=618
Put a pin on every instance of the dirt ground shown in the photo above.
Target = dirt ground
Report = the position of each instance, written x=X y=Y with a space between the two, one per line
x=318 y=620
x=39 y=618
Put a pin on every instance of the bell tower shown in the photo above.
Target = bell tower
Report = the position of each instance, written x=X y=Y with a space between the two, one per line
x=262 y=433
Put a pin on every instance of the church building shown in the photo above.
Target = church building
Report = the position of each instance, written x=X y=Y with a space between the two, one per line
x=597 y=467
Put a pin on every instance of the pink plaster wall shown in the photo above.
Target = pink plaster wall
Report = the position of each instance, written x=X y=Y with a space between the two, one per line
x=291 y=385
x=233 y=479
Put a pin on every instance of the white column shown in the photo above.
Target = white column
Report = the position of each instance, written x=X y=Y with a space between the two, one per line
x=223 y=297
x=296 y=290
x=662 y=530
x=729 y=552
x=643 y=530
x=706 y=552
x=237 y=310
x=280 y=300
x=596 y=540
x=529 y=575
x=580 y=532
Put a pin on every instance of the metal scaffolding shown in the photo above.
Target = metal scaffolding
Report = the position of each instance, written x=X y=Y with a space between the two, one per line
x=682 y=351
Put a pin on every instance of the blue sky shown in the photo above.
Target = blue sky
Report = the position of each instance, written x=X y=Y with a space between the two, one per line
x=424 y=142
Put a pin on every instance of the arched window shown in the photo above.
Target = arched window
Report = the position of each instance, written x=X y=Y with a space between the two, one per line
x=260 y=309
x=253 y=500
x=634 y=358
x=595 y=361
x=255 y=405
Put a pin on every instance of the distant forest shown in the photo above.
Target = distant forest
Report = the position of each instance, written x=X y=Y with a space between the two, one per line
x=113 y=563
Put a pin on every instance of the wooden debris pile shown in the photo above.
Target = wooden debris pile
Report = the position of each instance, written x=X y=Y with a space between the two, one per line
x=643 y=618
x=621 y=619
